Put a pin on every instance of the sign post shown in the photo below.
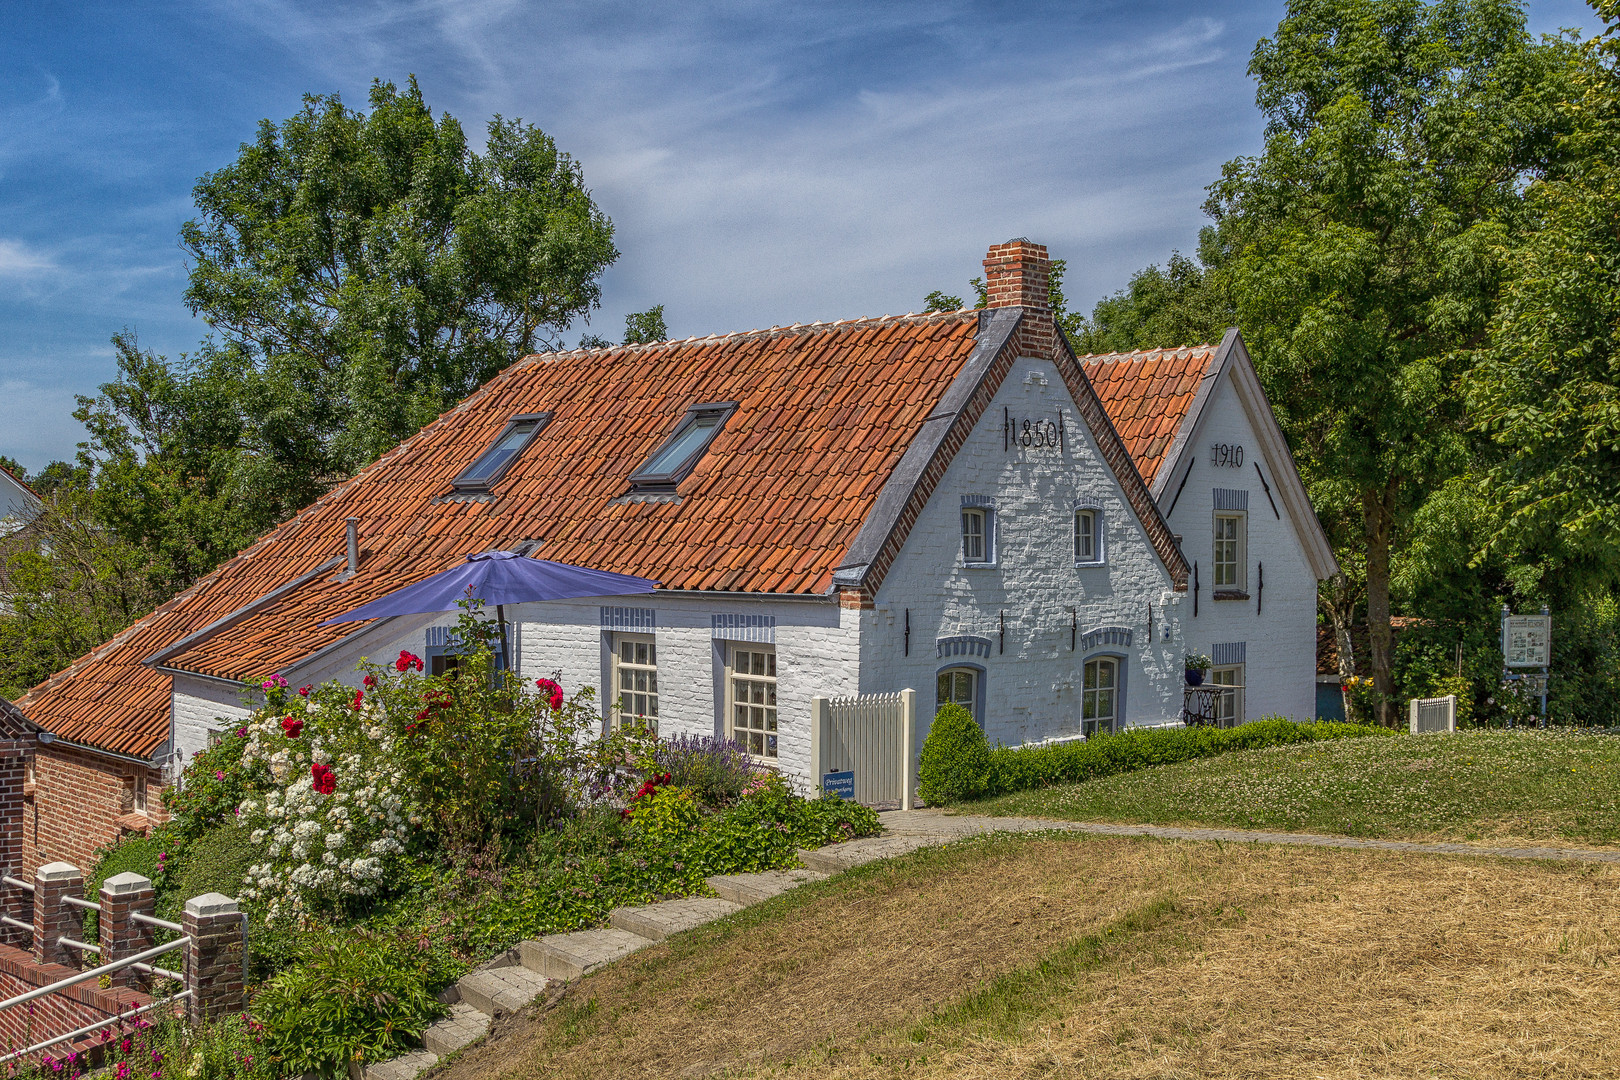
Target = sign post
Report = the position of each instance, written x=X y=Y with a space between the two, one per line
x=1527 y=653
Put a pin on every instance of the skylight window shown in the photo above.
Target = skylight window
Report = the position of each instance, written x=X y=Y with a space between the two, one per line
x=678 y=456
x=493 y=463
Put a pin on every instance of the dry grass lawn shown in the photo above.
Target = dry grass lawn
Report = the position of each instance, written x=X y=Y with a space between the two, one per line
x=1116 y=957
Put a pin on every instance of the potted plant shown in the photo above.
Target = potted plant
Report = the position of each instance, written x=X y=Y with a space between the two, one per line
x=1197 y=664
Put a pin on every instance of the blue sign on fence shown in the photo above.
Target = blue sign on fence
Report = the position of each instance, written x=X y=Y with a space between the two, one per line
x=841 y=784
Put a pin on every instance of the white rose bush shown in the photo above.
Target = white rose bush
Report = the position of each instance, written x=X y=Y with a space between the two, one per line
x=333 y=812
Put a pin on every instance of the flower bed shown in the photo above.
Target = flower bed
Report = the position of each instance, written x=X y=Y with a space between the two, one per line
x=457 y=815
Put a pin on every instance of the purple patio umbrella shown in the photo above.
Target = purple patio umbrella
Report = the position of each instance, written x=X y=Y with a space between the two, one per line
x=498 y=578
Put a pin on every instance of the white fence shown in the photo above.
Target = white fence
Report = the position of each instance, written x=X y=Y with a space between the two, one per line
x=1433 y=714
x=872 y=735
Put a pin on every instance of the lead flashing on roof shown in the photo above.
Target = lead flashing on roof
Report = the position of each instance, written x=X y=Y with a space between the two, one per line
x=230 y=620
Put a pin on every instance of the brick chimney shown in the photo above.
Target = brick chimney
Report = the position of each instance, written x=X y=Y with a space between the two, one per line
x=1016 y=275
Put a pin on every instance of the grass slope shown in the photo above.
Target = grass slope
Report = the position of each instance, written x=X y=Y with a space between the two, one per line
x=1473 y=785
x=1114 y=957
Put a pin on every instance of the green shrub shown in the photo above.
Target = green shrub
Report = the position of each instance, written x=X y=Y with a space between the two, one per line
x=352 y=998
x=955 y=758
x=1021 y=768
x=216 y=861
x=130 y=855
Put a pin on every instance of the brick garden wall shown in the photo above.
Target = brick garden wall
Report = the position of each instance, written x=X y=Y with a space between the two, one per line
x=54 y=1014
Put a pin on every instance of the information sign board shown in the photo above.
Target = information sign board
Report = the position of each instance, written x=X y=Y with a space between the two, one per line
x=1527 y=641
x=841 y=784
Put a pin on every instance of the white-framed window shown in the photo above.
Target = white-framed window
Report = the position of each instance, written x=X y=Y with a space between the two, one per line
x=958 y=686
x=978 y=534
x=137 y=798
x=1229 y=702
x=1099 y=696
x=751 y=699
x=635 y=681
x=1231 y=539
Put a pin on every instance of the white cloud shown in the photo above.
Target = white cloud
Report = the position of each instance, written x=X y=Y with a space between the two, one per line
x=18 y=260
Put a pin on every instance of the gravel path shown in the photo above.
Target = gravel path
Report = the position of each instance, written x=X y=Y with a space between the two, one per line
x=943 y=824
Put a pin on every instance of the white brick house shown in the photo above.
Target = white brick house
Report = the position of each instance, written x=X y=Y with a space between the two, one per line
x=938 y=501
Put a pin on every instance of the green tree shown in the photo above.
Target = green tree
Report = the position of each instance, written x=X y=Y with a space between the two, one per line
x=372 y=269
x=1181 y=303
x=1364 y=244
x=65 y=588
x=1545 y=393
x=644 y=327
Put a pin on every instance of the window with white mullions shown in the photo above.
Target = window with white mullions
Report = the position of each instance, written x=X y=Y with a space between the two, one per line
x=1099 y=702
x=1229 y=555
x=958 y=686
x=635 y=678
x=751 y=699
x=1228 y=681
x=975 y=536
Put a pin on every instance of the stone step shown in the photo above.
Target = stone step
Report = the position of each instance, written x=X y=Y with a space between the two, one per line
x=850 y=854
x=748 y=889
x=566 y=957
x=501 y=990
x=659 y=921
x=464 y=1025
x=405 y=1067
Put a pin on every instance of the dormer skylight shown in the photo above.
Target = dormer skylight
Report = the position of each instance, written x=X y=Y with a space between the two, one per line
x=493 y=463
x=678 y=456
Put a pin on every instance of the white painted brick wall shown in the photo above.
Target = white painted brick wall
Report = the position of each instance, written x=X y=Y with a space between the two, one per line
x=1281 y=669
x=1033 y=687
x=199 y=707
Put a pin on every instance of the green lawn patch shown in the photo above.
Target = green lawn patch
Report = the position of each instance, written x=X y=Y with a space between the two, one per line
x=1468 y=785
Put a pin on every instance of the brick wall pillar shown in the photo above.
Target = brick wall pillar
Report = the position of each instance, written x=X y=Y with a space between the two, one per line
x=123 y=895
x=13 y=771
x=216 y=956
x=53 y=919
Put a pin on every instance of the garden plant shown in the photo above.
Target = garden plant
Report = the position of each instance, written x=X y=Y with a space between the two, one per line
x=388 y=837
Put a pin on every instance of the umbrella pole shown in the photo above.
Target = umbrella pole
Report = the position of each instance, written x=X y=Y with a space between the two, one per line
x=500 y=623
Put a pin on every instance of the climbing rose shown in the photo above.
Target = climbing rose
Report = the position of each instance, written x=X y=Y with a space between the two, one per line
x=322 y=779
x=370 y=681
x=359 y=696
x=556 y=695
x=407 y=660
x=303 y=691
x=292 y=726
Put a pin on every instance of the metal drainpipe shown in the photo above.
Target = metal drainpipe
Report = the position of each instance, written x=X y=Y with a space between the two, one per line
x=353 y=525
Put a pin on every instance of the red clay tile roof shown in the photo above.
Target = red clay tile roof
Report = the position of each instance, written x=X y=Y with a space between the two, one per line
x=825 y=412
x=1147 y=395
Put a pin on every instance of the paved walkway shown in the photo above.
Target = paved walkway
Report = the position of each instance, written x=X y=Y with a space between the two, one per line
x=945 y=825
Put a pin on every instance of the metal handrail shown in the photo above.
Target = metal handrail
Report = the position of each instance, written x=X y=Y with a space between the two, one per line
x=96 y=972
x=18 y=883
x=7 y=920
x=161 y=924
x=72 y=944
x=79 y=902
x=162 y=973
x=88 y=1028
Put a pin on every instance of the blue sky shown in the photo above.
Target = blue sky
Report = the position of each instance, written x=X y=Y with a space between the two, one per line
x=763 y=163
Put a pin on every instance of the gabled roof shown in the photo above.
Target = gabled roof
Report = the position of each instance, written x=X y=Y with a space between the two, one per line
x=1156 y=399
x=824 y=413
x=20 y=482
x=1148 y=395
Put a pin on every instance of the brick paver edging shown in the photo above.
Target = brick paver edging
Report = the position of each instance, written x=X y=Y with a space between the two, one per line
x=941 y=824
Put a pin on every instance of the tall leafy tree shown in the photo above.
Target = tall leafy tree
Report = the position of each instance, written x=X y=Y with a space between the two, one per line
x=1546 y=392
x=1181 y=303
x=373 y=269
x=1364 y=244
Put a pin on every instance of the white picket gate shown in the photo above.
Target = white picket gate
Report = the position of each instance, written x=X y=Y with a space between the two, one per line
x=1433 y=714
x=875 y=737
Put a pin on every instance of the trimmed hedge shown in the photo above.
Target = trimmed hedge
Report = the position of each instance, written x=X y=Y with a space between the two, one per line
x=955 y=759
x=1021 y=768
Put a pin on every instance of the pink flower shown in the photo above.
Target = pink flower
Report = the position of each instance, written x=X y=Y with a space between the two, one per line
x=219 y=774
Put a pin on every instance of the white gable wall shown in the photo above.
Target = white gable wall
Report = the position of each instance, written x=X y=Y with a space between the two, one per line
x=1277 y=627
x=200 y=707
x=1032 y=684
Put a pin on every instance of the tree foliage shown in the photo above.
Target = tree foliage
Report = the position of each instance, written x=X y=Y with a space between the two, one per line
x=373 y=268
x=1545 y=393
x=1365 y=243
